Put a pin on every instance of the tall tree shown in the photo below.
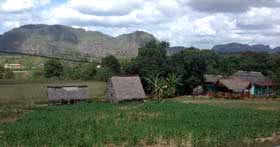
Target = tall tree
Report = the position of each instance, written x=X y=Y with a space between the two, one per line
x=191 y=65
x=53 y=68
x=151 y=61
x=112 y=63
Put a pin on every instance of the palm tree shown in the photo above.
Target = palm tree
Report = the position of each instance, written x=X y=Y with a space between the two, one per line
x=161 y=87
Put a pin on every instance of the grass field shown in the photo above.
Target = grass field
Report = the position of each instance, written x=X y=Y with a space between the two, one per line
x=143 y=124
x=26 y=120
x=17 y=97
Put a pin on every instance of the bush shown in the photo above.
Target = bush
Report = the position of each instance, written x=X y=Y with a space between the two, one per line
x=112 y=63
x=103 y=74
x=38 y=74
x=85 y=71
x=2 y=70
x=53 y=68
x=163 y=87
x=9 y=74
x=88 y=71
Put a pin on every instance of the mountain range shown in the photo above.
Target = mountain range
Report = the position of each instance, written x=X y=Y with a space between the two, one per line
x=64 y=41
x=237 y=47
x=74 y=43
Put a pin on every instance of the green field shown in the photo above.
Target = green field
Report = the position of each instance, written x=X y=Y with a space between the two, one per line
x=26 y=120
x=131 y=124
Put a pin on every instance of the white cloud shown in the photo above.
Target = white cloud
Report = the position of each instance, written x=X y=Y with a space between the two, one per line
x=12 y=6
x=203 y=26
x=105 y=7
x=177 y=21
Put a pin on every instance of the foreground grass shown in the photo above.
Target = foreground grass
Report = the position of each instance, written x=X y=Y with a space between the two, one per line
x=150 y=123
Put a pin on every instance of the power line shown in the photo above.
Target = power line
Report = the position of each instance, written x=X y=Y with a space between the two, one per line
x=66 y=57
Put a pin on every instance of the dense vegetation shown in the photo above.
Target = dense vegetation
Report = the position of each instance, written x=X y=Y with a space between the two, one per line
x=154 y=66
x=191 y=64
x=6 y=73
x=101 y=124
x=79 y=71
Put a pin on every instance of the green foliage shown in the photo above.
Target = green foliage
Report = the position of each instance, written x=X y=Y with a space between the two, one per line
x=112 y=63
x=88 y=71
x=151 y=60
x=104 y=73
x=81 y=71
x=191 y=65
x=53 y=68
x=163 y=87
x=9 y=74
x=2 y=71
x=139 y=124
x=38 y=75
x=6 y=73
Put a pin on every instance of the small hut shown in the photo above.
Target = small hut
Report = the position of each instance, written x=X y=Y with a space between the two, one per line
x=209 y=83
x=233 y=88
x=124 y=88
x=67 y=94
x=261 y=85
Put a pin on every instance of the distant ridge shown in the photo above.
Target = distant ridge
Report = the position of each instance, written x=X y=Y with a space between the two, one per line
x=61 y=41
x=238 y=47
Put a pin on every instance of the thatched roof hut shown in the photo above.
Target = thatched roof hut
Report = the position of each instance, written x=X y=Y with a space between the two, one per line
x=252 y=76
x=60 y=94
x=124 y=88
x=212 y=78
x=235 y=84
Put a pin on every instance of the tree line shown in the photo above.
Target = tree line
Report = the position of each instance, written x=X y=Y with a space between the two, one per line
x=167 y=76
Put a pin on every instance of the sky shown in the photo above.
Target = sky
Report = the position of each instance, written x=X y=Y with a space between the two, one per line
x=199 y=23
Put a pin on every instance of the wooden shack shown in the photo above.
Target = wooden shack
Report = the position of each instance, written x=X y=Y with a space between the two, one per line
x=67 y=94
x=124 y=88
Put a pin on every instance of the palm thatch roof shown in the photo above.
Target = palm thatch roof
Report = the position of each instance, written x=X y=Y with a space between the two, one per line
x=66 y=93
x=212 y=78
x=235 y=84
x=124 y=88
x=250 y=76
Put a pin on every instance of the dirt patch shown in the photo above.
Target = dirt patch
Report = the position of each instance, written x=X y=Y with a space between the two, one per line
x=269 y=105
x=274 y=139
x=144 y=114
x=160 y=142
x=12 y=117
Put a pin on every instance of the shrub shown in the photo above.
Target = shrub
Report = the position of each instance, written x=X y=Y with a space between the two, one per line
x=53 y=68
x=88 y=71
x=9 y=74
x=103 y=74
x=112 y=63
x=163 y=87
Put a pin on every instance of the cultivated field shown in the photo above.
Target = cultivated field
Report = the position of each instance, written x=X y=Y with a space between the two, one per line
x=144 y=124
x=27 y=121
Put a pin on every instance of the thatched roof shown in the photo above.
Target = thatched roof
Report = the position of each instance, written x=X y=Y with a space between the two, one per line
x=235 y=84
x=251 y=76
x=57 y=93
x=212 y=78
x=124 y=88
